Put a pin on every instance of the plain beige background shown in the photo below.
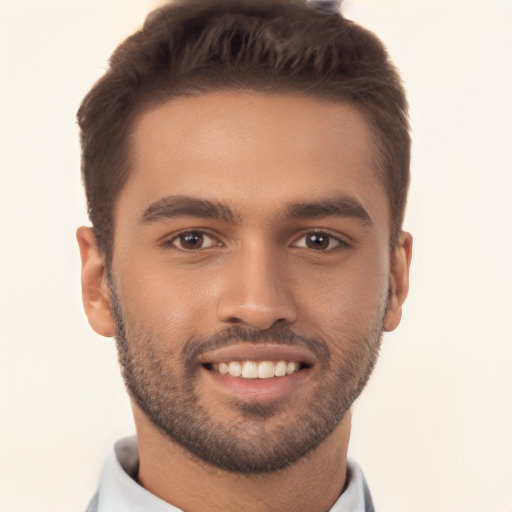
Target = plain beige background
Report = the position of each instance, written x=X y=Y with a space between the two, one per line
x=433 y=429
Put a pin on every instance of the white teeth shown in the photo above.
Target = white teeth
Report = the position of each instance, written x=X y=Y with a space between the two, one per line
x=290 y=368
x=250 y=370
x=235 y=369
x=265 y=370
x=280 y=369
x=256 y=369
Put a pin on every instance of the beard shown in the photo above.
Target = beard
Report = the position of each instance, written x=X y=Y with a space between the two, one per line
x=261 y=436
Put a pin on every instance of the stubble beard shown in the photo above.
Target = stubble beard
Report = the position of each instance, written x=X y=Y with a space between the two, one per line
x=265 y=436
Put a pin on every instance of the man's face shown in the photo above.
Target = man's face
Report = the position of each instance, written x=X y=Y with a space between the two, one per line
x=251 y=236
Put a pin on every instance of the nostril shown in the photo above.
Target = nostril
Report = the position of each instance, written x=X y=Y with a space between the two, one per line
x=234 y=320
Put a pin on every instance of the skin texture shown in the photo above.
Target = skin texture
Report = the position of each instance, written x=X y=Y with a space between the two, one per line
x=296 y=248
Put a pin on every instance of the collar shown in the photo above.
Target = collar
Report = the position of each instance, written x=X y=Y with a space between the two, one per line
x=118 y=490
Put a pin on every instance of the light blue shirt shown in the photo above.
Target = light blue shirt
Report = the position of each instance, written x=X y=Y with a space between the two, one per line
x=118 y=491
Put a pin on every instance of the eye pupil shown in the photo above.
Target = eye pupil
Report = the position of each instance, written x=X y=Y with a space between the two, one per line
x=317 y=241
x=191 y=240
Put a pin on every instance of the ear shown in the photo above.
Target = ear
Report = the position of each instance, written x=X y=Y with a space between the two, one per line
x=95 y=290
x=398 y=280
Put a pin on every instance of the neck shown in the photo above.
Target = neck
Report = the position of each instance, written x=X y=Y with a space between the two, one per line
x=313 y=483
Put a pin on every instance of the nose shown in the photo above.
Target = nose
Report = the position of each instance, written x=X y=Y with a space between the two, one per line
x=256 y=291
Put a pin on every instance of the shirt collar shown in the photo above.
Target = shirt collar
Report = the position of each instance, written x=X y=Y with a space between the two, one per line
x=119 y=491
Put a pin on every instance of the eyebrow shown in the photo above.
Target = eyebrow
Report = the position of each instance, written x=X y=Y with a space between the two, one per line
x=339 y=206
x=185 y=206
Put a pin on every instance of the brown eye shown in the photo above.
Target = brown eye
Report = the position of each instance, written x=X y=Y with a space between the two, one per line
x=318 y=241
x=193 y=241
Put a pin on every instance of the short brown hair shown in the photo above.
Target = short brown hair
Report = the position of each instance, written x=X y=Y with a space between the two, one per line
x=196 y=46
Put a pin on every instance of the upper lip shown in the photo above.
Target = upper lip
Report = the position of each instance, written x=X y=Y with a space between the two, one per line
x=259 y=352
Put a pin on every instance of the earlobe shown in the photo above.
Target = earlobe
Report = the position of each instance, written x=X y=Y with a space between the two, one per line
x=95 y=290
x=399 y=281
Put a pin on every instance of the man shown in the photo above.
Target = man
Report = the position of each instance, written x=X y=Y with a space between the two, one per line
x=246 y=165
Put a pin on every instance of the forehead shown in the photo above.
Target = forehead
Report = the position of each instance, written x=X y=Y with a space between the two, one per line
x=240 y=147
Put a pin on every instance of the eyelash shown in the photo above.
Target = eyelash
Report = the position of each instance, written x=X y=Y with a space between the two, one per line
x=215 y=242
x=340 y=243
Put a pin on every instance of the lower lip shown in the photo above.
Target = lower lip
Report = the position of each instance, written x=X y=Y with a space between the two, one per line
x=257 y=389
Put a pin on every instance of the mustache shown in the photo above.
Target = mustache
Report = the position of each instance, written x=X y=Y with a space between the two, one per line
x=277 y=335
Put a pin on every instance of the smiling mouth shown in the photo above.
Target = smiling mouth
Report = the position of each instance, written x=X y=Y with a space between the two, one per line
x=256 y=369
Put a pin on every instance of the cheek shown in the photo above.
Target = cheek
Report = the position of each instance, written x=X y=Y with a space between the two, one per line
x=167 y=302
x=346 y=301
